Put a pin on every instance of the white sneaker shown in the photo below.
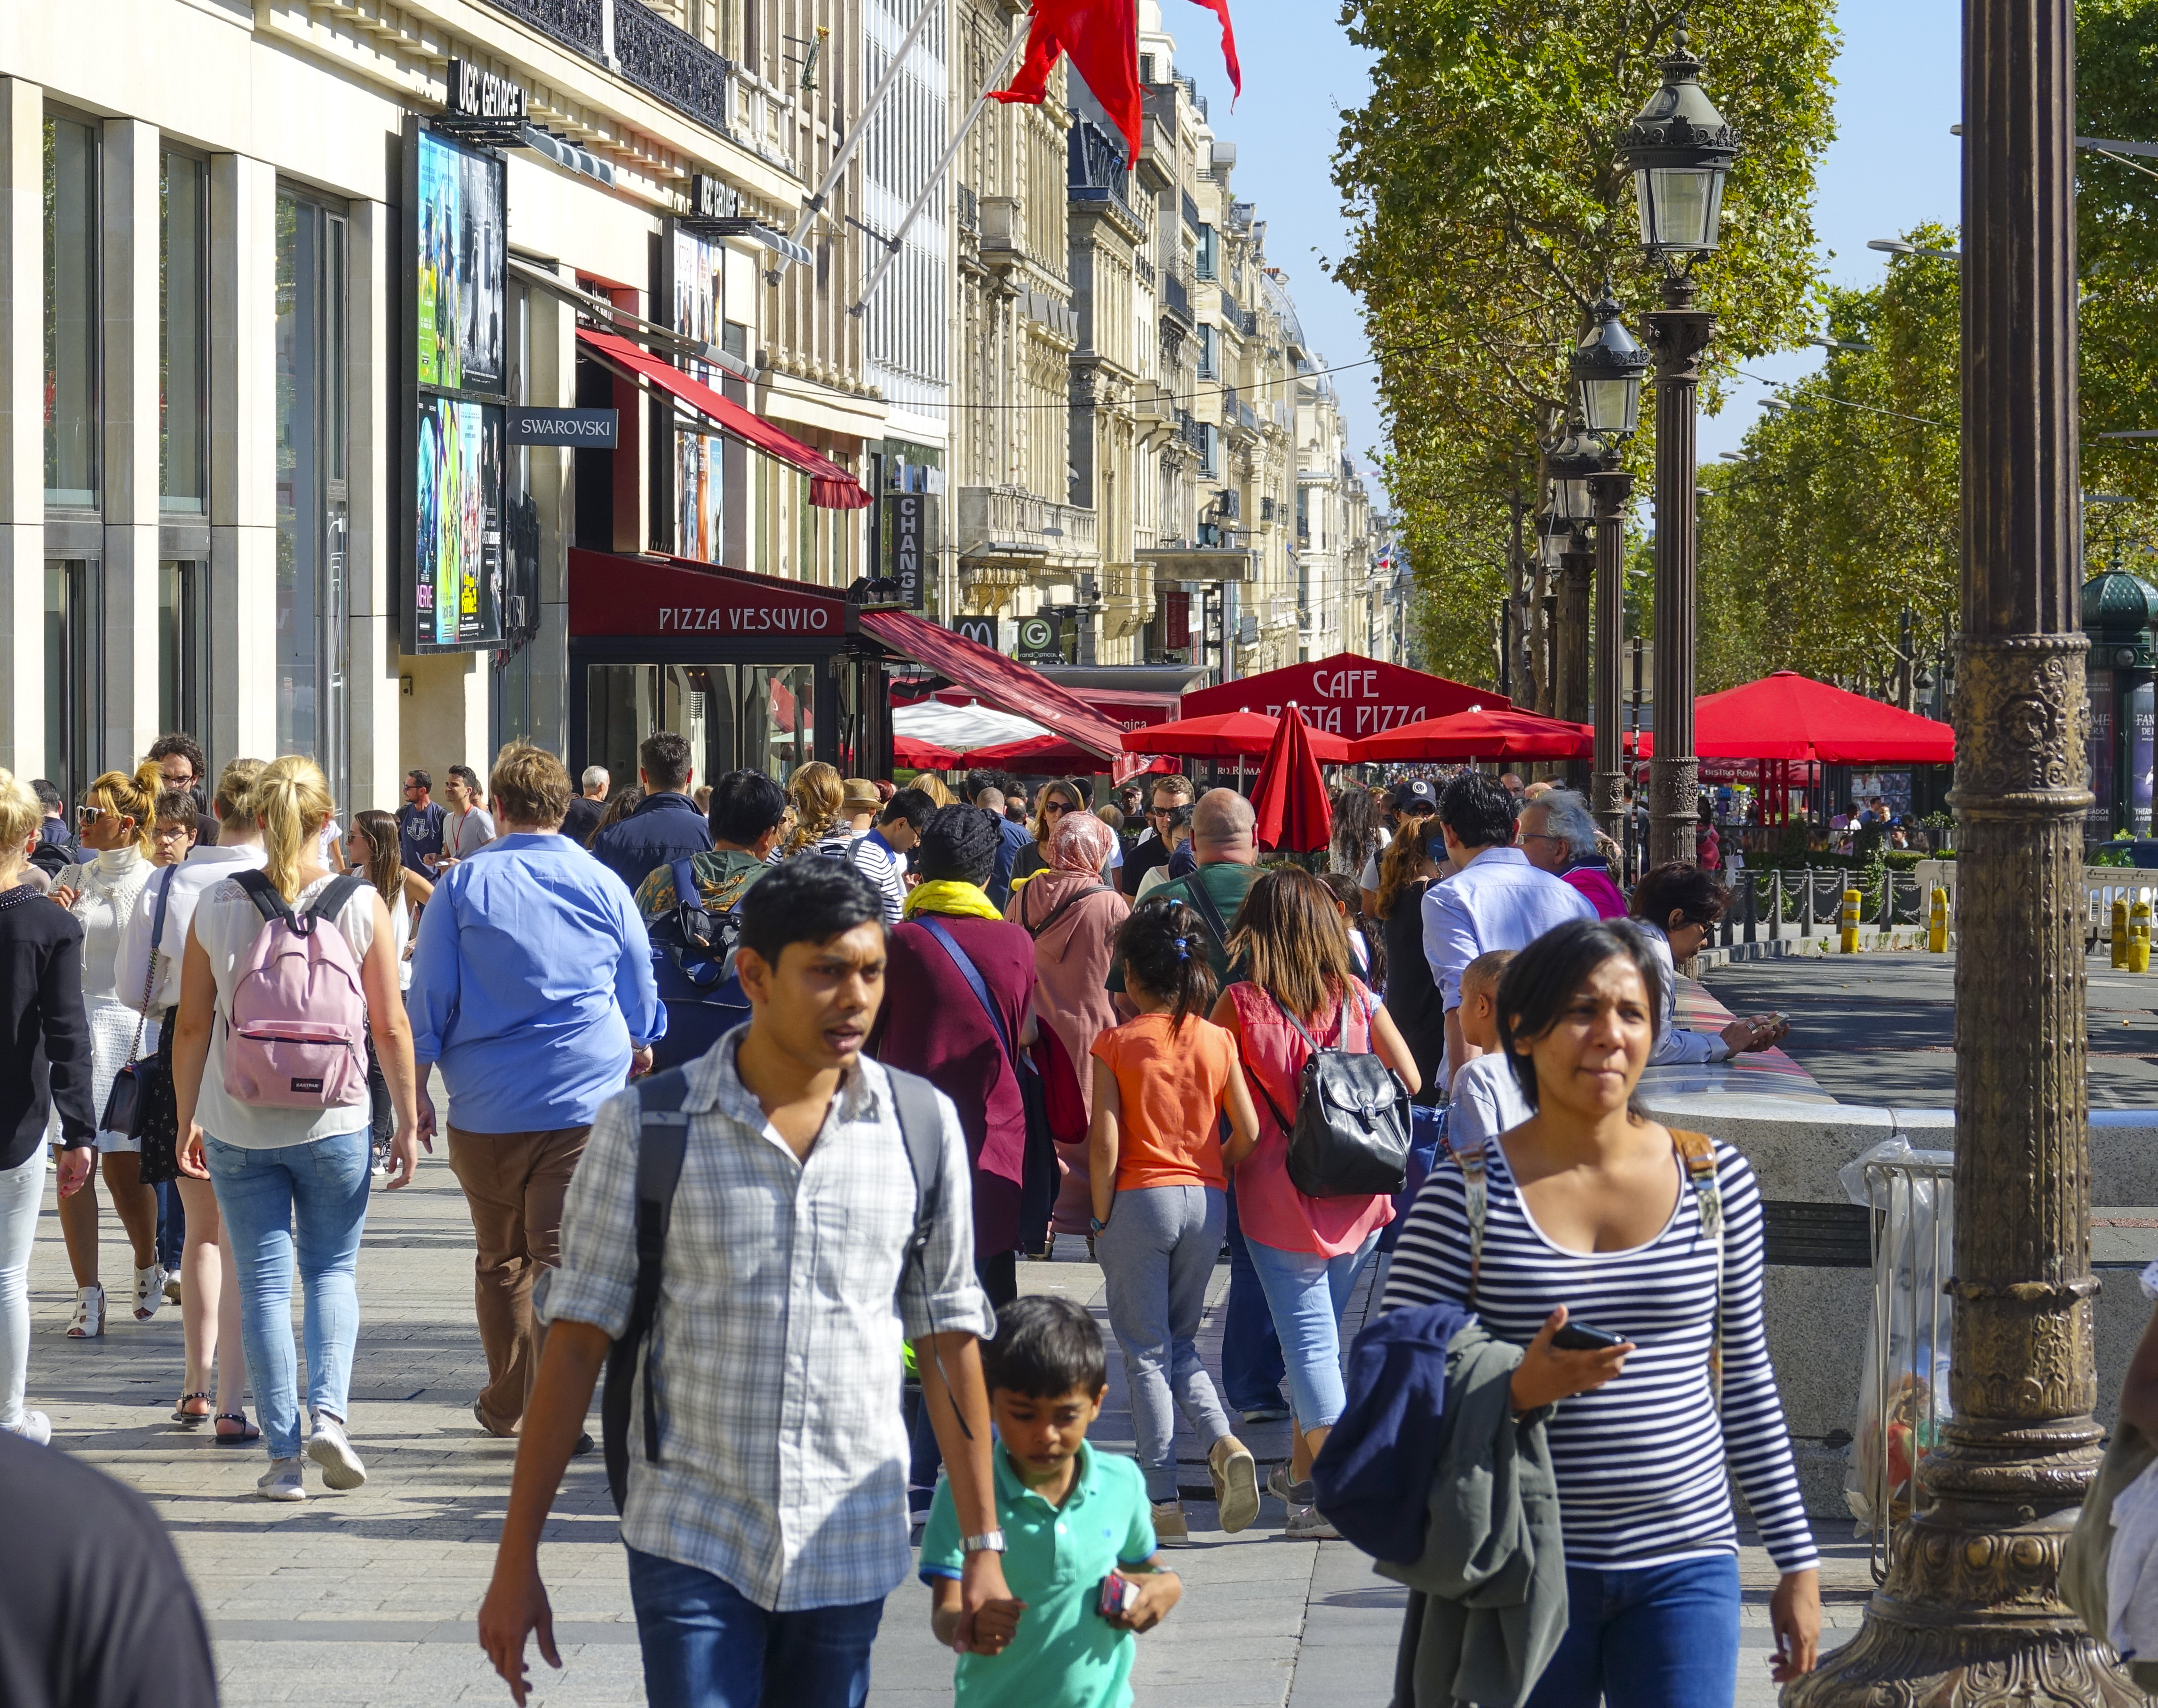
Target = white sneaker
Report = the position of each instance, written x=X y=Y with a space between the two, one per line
x=328 y=1447
x=149 y=1292
x=282 y=1481
x=34 y=1426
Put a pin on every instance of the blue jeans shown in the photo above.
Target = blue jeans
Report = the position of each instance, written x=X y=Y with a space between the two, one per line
x=707 y=1645
x=1251 y=1365
x=263 y=1195
x=1307 y=1294
x=1660 y=1636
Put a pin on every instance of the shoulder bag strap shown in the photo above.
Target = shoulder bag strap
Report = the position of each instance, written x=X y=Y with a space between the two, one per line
x=1476 y=1201
x=150 y=962
x=974 y=978
x=662 y=1141
x=1061 y=908
x=1696 y=1154
x=1204 y=905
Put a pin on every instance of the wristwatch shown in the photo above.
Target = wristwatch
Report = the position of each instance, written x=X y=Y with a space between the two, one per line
x=989 y=1542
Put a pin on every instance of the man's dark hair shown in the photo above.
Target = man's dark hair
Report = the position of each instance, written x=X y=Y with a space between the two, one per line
x=470 y=778
x=1479 y=811
x=745 y=805
x=1046 y=1347
x=960 y=843
x=1695 y=894
x=425 y=779
x=180 y=742
x=1540 y=983
x=912 y=805
x=665 y=757
x=806 y=901
x=49 y=797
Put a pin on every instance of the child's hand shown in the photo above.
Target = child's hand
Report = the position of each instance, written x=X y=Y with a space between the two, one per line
x=1158 y=1591
x=995 y=1624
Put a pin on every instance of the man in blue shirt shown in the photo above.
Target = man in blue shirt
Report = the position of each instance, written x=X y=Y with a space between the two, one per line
x=420 y=825
x=666 y=826
x=1014 y=837
x=532 y=987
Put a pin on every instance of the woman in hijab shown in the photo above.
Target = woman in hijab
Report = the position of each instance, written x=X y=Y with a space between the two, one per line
x=1073 y=914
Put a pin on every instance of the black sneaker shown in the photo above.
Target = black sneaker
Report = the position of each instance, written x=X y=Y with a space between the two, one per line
x=584 y=1445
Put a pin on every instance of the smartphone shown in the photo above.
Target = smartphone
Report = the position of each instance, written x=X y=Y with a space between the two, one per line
x=1117 y=1595
x=1579 y=1337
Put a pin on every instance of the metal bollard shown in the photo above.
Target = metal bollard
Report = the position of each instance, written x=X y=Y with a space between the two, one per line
x=1937 y=927
x=1776 y=904
x=2120 y=931
x=1852 y=901
x=2139 y=937
x=1806 y=917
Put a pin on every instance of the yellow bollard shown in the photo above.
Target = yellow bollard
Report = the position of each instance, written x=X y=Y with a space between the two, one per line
x=1848 y=935
x=2139 y=937
x=2120 y=932
x=1937 y=927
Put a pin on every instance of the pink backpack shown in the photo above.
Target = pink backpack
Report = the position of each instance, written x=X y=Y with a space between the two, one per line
x=296 y=1029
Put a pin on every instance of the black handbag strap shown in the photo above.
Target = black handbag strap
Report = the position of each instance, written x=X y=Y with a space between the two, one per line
x=1061 y=908
x=1203 y=904
x=150 y=962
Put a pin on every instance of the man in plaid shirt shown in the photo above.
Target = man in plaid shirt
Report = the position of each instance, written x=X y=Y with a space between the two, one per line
x=764 y=1540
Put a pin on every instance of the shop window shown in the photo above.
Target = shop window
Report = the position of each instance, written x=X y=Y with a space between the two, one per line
x=71 y=327
x=183 y=332
x=313 y=607
x=72 y=701
x=735 y=717
x=184 y=632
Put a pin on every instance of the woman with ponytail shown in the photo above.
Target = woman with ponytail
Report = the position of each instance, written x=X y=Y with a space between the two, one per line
x=115 y=820
x=291 y=1176
x=1159 y=1176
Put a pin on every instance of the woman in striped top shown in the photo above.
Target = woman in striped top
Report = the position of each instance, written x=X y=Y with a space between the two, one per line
x=1589 y=1211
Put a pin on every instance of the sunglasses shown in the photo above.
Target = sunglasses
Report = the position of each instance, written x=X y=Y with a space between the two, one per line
x=91 y=815
x=1058 y=806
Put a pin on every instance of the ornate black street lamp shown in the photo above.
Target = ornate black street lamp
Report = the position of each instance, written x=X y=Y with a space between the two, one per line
x=1680 y=150
x=1608 y=367
x=1568 y=464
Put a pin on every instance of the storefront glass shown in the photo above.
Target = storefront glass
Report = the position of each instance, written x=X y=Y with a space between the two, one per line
x=313 y=611
x=71 y=686
x=183 y=646
x=735 y=717
x=71 y=342
x=183 y=332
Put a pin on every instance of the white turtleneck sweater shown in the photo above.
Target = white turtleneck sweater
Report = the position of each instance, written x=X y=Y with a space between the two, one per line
x=108 y=888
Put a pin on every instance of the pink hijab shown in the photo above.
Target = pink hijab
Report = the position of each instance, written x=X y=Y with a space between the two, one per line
x=1082 y=843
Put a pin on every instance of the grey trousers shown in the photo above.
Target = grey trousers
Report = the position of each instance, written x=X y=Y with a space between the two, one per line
x=1157 y=1254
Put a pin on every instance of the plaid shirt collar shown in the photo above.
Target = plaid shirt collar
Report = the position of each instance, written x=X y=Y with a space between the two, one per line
x=714 y=1083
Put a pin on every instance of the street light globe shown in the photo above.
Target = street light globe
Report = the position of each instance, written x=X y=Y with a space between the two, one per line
x=1679 y=149
x=1606 y=367
x=1568 y=465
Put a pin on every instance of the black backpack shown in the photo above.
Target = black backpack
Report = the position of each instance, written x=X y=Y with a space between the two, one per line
x=1351 y=1137
x=662 y=1138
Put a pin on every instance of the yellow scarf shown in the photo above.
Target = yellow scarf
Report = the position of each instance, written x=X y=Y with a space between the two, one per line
x=950 y=896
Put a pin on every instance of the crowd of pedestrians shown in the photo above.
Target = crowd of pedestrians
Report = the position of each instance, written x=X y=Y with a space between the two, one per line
x=885 y=1042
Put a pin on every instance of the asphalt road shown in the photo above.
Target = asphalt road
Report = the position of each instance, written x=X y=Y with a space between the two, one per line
x=1881 y=1028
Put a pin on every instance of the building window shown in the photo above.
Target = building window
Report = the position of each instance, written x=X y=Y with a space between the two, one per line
x=183 y=646
x=71 y=340
x=72 y=704
x=1210 y=253
x=183 y=332
x=1207 y=335
x=313 y=639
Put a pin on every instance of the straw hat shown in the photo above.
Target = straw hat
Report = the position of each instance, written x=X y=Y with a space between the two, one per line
x=859 y=795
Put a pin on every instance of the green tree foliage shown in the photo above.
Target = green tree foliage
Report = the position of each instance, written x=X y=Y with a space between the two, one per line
x=1488 y=204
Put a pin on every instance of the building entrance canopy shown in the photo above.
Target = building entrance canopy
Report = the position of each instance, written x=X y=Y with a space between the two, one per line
x=997 y=681
x=1345 y=695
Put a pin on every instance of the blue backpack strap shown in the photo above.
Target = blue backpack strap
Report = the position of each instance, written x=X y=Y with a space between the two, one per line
x=972 y=975
x=661 y=1140
x=686 y=893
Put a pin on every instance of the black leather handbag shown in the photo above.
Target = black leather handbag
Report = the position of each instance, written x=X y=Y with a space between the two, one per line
x=1351 y=1137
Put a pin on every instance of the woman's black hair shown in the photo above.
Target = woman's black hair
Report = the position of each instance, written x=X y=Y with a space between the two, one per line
x=1163 y=946
x=1695 y=893
x=1045 y=1347
x=1543 y=978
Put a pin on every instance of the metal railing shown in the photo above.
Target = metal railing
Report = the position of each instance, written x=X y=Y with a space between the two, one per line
x=1766 y=906
x=1176 y=297
x=647 y=50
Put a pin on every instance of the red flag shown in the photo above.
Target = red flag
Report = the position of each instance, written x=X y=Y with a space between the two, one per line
x=1102 y=38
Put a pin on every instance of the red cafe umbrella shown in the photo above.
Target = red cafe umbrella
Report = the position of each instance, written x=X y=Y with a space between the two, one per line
x=1037 y=755
x=1500 y=733
x=1291 y=802
x=922 y=755
x=1245 y=735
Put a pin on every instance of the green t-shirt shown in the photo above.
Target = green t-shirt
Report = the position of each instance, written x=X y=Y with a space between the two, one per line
x=1227 y=884
x=1065 y=1655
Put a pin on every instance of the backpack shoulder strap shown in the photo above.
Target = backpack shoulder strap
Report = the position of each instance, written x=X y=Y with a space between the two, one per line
x=662 y=1141
x=263 y=895
x=335 y=896
x=1061 y=908
x=1477 y=1202
x=914 y=1100
x=686 y=892
x=1696 y=1154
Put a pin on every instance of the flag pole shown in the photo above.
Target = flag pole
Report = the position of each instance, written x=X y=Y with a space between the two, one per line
x=997 y=78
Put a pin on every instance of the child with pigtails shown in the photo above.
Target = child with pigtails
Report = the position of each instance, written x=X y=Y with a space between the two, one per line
x=1163 y=1083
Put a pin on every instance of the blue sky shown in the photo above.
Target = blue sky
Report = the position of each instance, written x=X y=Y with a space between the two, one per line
x=1892 y=163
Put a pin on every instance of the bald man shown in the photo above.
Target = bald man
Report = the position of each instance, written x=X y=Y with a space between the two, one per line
x=1223 y=844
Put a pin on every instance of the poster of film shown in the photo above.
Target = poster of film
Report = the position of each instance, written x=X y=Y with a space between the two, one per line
x=456 y=337
x=698 y=486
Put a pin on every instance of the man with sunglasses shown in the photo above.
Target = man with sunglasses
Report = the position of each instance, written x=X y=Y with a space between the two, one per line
x=1169 y=792
x=419 y=824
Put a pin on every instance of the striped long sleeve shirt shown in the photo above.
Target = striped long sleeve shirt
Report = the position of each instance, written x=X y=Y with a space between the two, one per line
x=1640 y=1462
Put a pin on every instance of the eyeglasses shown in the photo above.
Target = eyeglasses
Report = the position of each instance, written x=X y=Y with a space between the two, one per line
x=1540 y=836
x=171 y=833
x=411 y=789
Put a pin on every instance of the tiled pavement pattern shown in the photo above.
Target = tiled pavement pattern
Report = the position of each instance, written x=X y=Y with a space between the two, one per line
x=366 y=1600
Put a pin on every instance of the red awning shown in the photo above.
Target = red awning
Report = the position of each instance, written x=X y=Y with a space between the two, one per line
x=1000 y=682
x=831 y=488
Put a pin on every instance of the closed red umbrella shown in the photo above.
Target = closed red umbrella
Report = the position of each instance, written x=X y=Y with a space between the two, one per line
x=1293 y=807
x=1499 y=733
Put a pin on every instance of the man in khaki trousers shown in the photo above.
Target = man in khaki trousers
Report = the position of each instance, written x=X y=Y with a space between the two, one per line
x=532 y=989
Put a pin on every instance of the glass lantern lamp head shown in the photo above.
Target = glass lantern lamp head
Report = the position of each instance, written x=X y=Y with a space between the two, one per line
x=1679 y=149
x=1606 y=367
x=1554 y=539
x=1568 y=465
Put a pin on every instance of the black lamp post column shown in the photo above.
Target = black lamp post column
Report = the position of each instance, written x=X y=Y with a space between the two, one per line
x=1577 y=568
x=1613 y=489
x=1679 y=335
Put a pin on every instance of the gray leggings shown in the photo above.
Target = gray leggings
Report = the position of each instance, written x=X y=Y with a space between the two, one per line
x=1156 y=1254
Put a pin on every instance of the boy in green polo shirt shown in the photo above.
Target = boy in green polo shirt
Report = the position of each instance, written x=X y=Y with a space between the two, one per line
x=1070 y=1518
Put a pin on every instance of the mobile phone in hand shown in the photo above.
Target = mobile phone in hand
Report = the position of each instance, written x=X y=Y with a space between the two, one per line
x=1579 y=1337
x=1118 y=1594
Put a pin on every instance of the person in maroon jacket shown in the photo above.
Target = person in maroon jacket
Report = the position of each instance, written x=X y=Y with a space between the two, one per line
x=1557 y=834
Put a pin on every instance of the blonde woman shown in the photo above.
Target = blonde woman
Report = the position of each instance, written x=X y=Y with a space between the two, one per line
x=291 y=1183
x=114 y=828
x=42 y=997
x=815 y=792
x=935 y=787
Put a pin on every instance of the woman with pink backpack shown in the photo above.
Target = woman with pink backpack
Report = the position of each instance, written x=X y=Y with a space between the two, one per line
x=287 y=972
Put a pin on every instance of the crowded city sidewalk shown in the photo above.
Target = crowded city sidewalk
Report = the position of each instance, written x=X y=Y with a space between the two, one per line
x=366 y=1600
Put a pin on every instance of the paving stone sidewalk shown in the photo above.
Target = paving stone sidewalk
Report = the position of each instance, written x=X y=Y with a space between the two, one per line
x=367 y=1600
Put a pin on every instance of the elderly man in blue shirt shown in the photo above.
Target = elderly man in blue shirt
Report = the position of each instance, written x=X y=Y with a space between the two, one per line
x=532 y=987
x=1496 y=899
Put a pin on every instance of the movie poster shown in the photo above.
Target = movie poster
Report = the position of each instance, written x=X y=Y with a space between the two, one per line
x=462 y=305
x=697 y=490
x=458 y=557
